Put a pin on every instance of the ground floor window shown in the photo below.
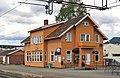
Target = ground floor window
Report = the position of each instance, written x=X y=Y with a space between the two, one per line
x=28 y=56
x=69 y=56
x=45 y=56
x=36 y=56
x=52 y=56
x=97 y=56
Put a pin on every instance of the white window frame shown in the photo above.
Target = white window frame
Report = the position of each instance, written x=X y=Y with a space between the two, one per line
x=37 y=40
x=98 y=57
x=97 y=40
x=40 y=39
x=28 y=54
x=33 y=57
x=36 y=56
x=45 y=57
x=53 y=56
x=69 y=37
x=40 y=55
x=85 y=38
x=85 y=23
x=88 y=58
x=70 y=56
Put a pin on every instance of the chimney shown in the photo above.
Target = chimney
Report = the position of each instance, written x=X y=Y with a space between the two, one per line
x=46 y=22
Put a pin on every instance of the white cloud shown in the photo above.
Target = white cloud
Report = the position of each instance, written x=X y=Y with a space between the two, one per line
x=16 y=23
x=106 y=29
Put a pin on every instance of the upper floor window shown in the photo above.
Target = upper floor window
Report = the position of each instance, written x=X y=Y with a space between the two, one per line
x=85 y=23
x=85 y=37
x=68 y=36
x=97 y=38
x=37 y=40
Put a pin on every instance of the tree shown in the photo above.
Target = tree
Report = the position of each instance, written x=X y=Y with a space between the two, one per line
x=71 y=10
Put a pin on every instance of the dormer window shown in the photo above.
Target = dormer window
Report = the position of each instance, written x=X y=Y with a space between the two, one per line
x=68 y=37
x=85 y=23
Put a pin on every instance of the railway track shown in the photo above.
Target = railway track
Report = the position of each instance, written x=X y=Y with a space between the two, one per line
x=8 y=75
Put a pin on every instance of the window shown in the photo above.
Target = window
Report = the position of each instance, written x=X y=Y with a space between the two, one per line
x=85 y=37
x=36 y=56
x=97 y=56
x=37 y=40
x=33 y=56
x=69 y=56
x=97 y=38
x=40 y=39
x=45 y=56
x=52 y=56
x=40 y=56
x=68 y=36
x=85 y=23
x=33 y=40
x=28 y=56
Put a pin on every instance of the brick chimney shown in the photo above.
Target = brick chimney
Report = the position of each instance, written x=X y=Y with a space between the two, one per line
x=46 y=22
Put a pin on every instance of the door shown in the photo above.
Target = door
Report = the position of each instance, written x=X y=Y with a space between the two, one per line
x=88 y=59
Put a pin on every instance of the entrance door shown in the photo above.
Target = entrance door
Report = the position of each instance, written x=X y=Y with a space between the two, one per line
x=88 y=59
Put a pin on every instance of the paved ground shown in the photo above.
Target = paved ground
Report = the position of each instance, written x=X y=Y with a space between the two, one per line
x=58 y=73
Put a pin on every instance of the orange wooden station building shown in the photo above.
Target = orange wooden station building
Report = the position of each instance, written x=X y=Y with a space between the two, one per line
x=75 y=41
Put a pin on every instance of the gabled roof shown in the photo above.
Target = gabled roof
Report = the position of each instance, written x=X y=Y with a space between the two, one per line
x=26 y=40
x=46 y=26
x=8 y=52
x=4 y=53
x=70 y=24
x=114 y=40
x=67 y=25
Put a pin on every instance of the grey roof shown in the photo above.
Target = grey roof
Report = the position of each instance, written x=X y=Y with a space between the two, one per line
x=64 y=27
x=5 y=52
x=114 y=40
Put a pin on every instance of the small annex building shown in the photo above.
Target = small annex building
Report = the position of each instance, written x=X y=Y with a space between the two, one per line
x=12 y=57
x=77 y=41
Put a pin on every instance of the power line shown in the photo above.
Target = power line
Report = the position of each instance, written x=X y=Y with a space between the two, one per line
x=11 y=9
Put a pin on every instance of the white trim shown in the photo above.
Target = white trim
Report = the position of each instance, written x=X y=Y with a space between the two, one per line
x=84 y=18
x=69 y=34
x=14 y=51
x=98 y=41
x=85 y=37
x=77 y=24
x=98 y=56
x=8 y=61
x=53 y=56
x=101 y=33
x=81 y=20
x=70 y=55
x=4 y=59
x=66 y=31
x=88 y=58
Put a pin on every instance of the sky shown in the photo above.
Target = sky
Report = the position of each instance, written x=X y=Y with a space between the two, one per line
x=14 y=25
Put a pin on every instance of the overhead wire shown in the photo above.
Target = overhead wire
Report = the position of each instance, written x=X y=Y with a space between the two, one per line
x=11 y=9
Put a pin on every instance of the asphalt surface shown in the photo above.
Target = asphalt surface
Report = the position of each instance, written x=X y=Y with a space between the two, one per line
x=57 y=73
